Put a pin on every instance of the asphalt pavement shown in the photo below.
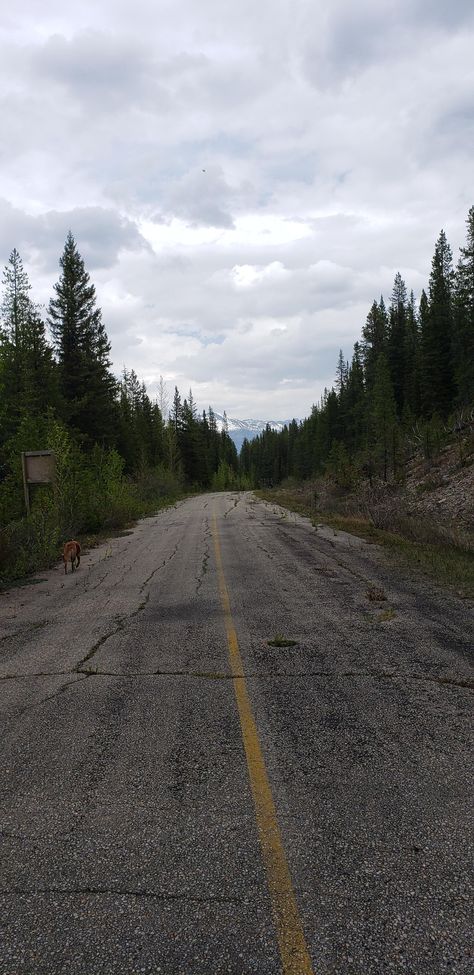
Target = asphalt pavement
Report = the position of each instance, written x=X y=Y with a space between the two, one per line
x=133 y=836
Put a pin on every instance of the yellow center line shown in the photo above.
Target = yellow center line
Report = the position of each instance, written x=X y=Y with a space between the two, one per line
x=291 y=941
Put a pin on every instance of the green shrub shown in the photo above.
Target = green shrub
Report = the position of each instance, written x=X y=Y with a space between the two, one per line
x=90 y=495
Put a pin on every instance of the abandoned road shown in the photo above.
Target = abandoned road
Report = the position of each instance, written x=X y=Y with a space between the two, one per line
x=179 y=796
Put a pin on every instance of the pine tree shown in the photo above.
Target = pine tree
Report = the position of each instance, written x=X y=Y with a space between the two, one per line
x=397 y=339
x=82 y=349
x=190 y=445
x=15 y=309
x=26 y=362
x=438 y=379
x=412 y=361
x=175 y=417
x=374 y=340
x=40 y=374
x=341 y=373
x=463 y=339
x=355 y=403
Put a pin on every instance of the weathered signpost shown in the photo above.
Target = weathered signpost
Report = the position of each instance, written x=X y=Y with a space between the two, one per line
x=39 y=467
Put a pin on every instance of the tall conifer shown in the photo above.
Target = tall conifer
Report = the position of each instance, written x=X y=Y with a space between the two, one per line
x=396 y=339
x=82 y=349
x=437 y=337
x=26 y=360
x=463 y=340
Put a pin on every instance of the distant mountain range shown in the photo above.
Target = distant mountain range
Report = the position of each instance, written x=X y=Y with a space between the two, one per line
x=240 y=430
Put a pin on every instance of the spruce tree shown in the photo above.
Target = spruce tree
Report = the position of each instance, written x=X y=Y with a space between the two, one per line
x=463 y=338
x=412 y=364
x=82 y=350
x=374 y=339
x=26 y=361
x=355 y=403
x=437 y=337
x=15 y=310
x=397 y=338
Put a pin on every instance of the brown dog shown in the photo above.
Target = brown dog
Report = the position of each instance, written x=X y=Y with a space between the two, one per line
x=72 y=551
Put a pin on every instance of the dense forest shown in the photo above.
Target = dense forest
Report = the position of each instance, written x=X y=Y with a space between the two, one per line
x=410 y=380
x=117 y=451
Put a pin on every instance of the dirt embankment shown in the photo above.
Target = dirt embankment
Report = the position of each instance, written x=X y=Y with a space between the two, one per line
x=443 y=489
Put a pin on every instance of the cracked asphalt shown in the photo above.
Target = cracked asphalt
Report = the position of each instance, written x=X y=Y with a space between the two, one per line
x=129 y=837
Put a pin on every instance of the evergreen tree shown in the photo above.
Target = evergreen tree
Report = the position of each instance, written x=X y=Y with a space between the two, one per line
x=438 y=379
x=396 y=344
x=384 y=419
x=412 y=363
x=213 y=441
x=176 y=412
x=341 y=373
x=355 y=403
x=191 y=444
x=26 y=362
x=374 y=339
x=82 y=349
x=463 y=343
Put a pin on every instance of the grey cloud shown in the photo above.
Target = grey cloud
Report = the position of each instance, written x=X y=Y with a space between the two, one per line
x=349 y=38
x=103 y=70
x=203 y=197
x=453 y=131
x=453 y=14
x=100 y=235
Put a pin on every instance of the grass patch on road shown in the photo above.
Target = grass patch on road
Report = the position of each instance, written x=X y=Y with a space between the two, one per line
x=445 y=562
x=281 y=641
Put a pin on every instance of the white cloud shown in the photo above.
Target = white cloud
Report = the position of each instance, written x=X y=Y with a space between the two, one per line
x=241 y=180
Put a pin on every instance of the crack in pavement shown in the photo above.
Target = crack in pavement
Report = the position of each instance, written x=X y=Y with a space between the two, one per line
x=206 y=554
x=462 y=682
x=145 y=548
x=161 y=566
x=233 y=507
x=121 y=621
x=120 y=625
x=118 y=892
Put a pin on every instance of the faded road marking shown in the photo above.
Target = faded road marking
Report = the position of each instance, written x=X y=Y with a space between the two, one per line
x=291 y=941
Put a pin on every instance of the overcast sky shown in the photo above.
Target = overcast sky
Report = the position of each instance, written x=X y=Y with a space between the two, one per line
x=242 y=178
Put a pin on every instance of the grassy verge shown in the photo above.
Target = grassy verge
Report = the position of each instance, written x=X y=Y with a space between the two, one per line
x=31 y=545
x=449 y=564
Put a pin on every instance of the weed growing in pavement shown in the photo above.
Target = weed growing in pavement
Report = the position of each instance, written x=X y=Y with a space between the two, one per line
x=388 y=614
x=375 y=594
x=281 y=641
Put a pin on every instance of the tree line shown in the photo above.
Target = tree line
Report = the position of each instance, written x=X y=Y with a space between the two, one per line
x=118 y=453
x=60 y=368
x=411 y=371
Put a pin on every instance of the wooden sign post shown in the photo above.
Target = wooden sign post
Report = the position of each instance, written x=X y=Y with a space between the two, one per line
x=39 y=467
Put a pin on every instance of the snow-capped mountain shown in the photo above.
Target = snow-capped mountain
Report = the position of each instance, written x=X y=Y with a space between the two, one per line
x=239 y=430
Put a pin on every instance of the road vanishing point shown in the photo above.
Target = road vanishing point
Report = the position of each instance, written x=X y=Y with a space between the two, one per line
x=235 y=743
